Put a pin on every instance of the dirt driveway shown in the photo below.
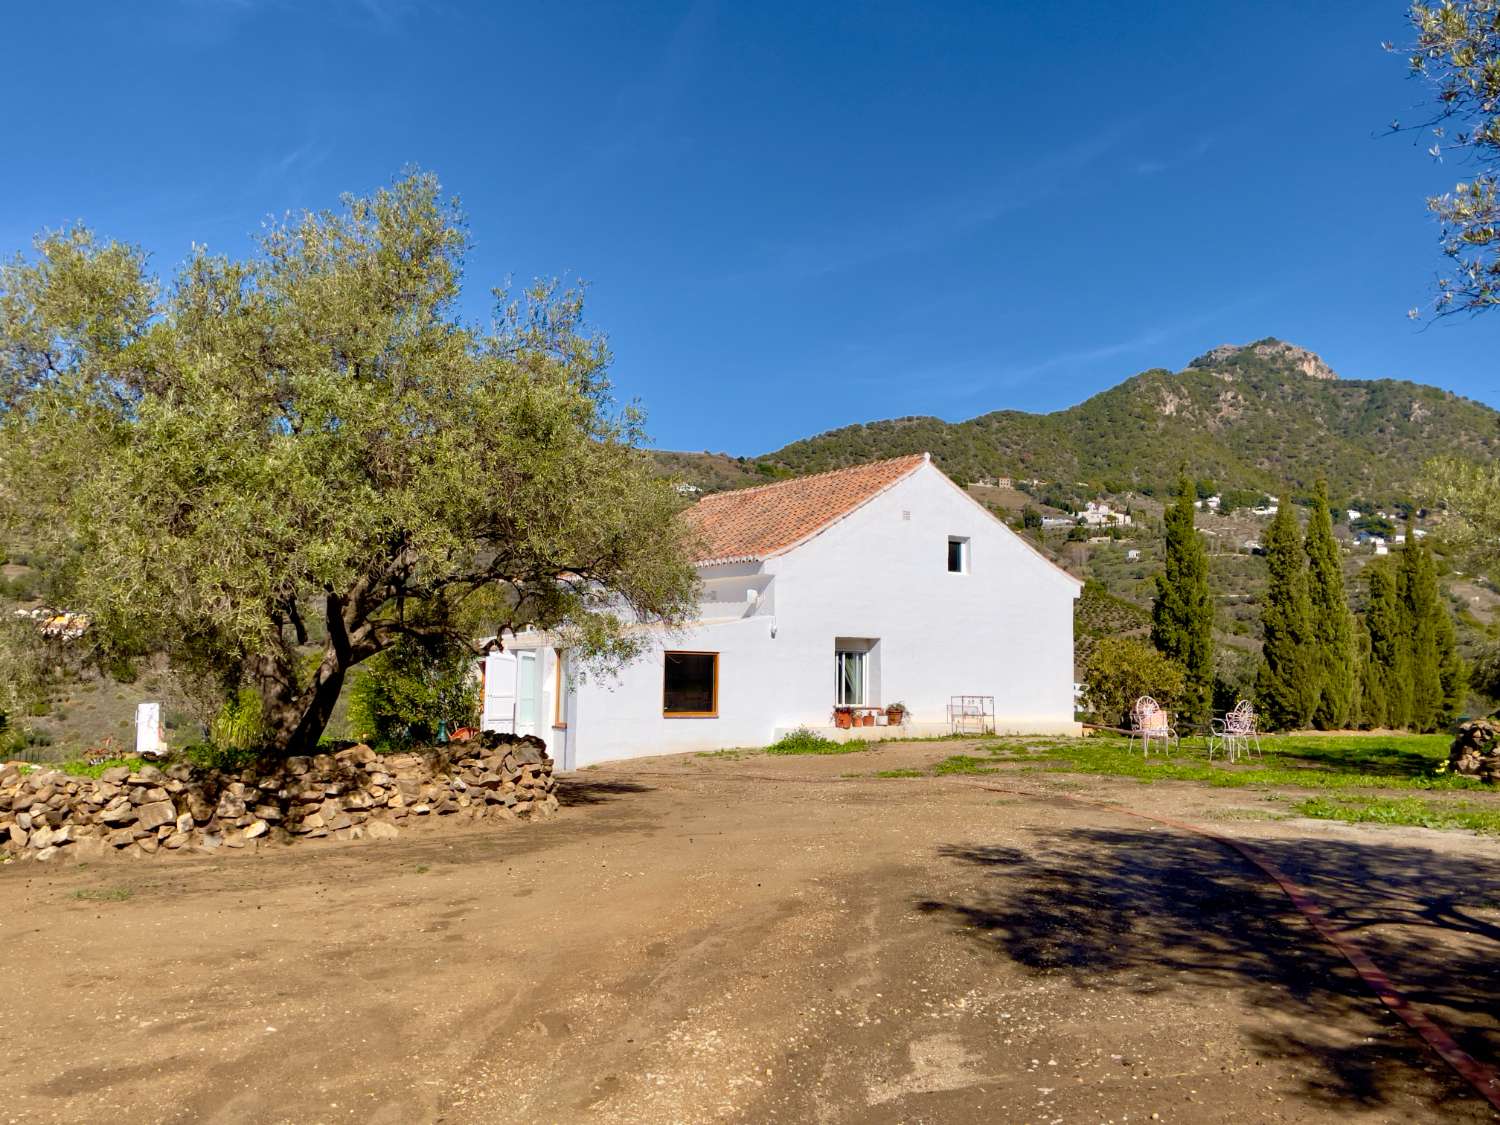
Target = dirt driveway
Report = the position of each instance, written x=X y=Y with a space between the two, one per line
x=757 y=939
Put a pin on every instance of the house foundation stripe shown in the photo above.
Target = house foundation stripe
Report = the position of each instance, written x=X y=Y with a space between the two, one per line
x=1481 y=1076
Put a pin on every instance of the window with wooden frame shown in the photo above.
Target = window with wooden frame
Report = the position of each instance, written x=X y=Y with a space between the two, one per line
x=690 y=685
x=559 y=711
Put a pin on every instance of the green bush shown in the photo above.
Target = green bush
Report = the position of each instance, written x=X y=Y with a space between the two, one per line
x=411 y=692
x=238 y=725
x=1122 y=669
x=804 y=741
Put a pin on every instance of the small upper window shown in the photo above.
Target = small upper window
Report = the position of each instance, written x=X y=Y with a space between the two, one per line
x=958 y=555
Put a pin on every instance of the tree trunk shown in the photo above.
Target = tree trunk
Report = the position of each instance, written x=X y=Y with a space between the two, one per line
x=294 y=721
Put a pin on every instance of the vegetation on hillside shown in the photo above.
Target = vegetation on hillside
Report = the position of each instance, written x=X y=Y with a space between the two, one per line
x=1247 y=419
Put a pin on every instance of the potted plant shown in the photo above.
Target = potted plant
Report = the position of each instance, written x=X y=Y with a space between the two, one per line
x=843 y=718
x=895 y=714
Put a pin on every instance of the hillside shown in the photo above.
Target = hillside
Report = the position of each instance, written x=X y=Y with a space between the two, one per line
x=1262 y=416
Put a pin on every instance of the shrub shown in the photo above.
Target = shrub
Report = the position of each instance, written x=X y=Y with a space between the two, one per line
x=1122 y=669
x=409 y=693
x=238 y=724
x=804 y=741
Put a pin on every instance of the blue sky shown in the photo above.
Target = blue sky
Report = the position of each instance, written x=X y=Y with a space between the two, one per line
x=795 y=216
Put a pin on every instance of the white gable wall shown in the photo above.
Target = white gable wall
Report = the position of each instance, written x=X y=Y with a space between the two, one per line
x=1005 y=628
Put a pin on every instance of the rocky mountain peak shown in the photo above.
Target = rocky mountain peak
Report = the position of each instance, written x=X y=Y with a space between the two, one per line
x=1276 y=351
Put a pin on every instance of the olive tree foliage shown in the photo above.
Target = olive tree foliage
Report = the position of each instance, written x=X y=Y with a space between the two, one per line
x=1122 y=669
x=1457 y=50
x=273 y=469
x=1469 y=493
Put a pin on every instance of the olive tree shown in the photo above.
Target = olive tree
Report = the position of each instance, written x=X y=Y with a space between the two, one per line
x=1457 y=50
x=272 y=469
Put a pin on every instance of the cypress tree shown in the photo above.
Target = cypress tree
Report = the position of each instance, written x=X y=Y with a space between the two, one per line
x=1182 y=616
x=1416 y=586
x=1331 y=625
x=1386 y=685
x=1453 y=673
x=1286 y=685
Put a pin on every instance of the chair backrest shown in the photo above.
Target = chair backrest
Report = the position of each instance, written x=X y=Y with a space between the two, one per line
x=1242 y=719
x=1148 y=715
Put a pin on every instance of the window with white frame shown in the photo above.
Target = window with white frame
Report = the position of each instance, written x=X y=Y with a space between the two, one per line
x=849 y=671
x=958 y=554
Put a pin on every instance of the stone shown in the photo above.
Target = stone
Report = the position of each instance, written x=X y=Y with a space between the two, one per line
x=121 y=837
x=24 y=820
x=41 y=838
x=421 y=809
x=176 y=840
x=255 y=829
x=118 y=814
x=358 y=754
x=155 y=814
x=19 y=836
x=63 y=835
x=234 y=840
x=230 y=806
x=381 y=830
x=115 y=775
x=148 y=844
x=45 y=854
x=198 y=805
x=267 y=812
x=156 y=793
x=185 y=822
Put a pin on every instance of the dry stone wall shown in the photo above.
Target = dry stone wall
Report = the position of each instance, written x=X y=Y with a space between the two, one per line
x=353 y=794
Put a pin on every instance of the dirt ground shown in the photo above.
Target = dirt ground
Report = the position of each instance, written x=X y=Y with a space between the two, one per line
x=760 y=939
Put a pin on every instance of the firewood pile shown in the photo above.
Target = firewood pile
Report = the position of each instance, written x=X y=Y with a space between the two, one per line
x=1476 y=750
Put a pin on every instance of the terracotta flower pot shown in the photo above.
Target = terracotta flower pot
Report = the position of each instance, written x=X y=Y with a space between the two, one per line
x=842 y=719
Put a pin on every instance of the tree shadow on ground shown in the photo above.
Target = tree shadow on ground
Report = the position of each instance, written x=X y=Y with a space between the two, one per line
x=1377 y=759
x=573 y=791
x=1151 y=911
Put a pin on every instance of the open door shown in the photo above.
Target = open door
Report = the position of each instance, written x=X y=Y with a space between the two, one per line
x=527 y=690
x=499 y=693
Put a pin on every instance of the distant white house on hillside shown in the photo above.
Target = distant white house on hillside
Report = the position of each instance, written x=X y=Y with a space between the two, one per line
x=848 y=590
x=1098 y=513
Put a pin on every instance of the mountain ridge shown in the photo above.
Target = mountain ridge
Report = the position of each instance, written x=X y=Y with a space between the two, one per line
x=1268 y=415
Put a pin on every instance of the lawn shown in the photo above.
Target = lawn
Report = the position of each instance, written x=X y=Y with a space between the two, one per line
x=1399 y=761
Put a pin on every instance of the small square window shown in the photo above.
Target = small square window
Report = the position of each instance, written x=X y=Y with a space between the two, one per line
x=958 y=555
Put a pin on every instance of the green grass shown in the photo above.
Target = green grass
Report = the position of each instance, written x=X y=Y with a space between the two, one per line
x=804 y=741
x=898 y=773
x=963 y=764
x=1403 y=810
x=79 y=768
x=1296 y=761
x=103 y=894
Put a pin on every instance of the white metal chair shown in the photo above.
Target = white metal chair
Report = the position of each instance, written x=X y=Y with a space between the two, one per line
x=1147 y=722
x=1235 y=732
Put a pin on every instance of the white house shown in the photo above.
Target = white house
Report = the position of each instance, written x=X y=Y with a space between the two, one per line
x=855 y=589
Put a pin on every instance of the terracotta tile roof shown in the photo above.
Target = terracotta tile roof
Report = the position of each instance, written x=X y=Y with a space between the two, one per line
x=754 y=523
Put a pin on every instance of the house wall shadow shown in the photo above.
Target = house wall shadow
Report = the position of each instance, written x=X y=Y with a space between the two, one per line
x=1152 y=910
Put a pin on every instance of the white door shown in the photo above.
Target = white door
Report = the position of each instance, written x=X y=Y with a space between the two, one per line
x=499 y=692
x=527 y=666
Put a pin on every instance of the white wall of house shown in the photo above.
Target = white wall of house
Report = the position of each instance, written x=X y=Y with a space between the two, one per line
x=1003 y=628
